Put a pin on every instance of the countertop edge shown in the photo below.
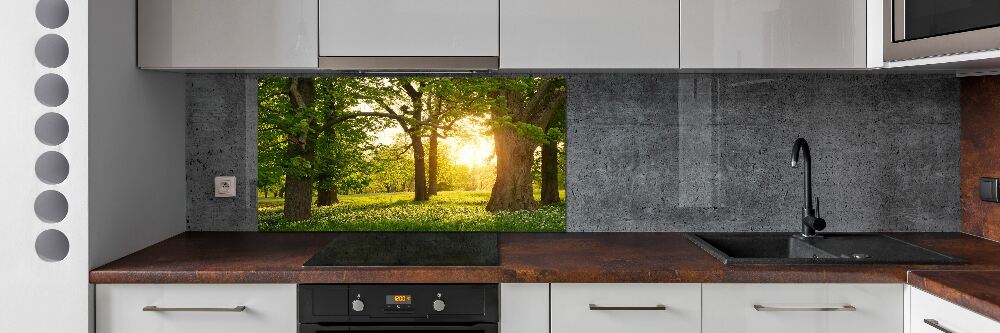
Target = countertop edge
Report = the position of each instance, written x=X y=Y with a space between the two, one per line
x=937 y=283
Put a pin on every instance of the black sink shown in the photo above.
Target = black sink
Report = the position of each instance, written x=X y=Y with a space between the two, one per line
x=837 y=248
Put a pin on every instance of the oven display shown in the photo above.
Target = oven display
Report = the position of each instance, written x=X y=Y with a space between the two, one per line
x=398 y=299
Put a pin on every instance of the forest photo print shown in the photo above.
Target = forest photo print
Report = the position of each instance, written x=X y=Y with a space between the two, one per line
x=411 y=154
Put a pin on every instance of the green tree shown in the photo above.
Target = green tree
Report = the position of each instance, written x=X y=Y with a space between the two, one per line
x=449 y=101
x=393 y=169
x=270 y=148
x=341 y=163
x=523 y=110
x=305 y=126
x=407 y=101
x=549 y=162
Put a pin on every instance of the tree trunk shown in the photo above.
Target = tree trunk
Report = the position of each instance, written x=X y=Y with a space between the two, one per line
x=419 y=169
x=550 y=173
x=299 y=186
x=512 y=189
x=432 y=164
x=298 y=198
x=515 y=154
x=327 y=197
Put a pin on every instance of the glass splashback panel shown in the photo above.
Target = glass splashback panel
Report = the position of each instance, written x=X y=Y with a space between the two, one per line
x=417 y=154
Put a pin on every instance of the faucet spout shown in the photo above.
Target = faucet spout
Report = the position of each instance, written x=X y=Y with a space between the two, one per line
x=810 y=222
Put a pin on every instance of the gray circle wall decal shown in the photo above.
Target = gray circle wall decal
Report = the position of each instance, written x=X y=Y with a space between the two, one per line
x=51 y=90
x=52 y=13
x=51 y=129
x=51 y=51
x=51 y=206
x=52 y=245
x=52 y=167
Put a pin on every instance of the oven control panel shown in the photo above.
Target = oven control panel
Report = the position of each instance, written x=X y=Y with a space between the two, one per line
x=326 y=303
x=399 y=302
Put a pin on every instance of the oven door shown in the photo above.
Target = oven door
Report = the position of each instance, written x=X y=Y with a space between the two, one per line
x=914 y=29
x=474 y=328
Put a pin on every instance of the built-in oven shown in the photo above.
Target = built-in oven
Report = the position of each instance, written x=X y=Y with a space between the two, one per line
x=374 y=308
x=916 y=29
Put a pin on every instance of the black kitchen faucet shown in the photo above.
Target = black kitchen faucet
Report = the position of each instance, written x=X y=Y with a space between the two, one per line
x=810 y=221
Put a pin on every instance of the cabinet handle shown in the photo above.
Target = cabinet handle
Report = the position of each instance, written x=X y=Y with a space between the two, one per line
x=154 y=308
x=935 y=324
x=759 y=307
x=596 y=307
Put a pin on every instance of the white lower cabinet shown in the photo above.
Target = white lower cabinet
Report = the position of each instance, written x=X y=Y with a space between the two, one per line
x=524 y=308
x=930 y=314
x=179 y=308
x=570 y=308
x=634 y=308
x=803 y=308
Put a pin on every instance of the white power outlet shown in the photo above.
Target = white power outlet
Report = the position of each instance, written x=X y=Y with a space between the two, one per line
x=225 y=187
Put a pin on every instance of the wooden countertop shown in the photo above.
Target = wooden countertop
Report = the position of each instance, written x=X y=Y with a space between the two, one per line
x=978 y=291
x=249 y=257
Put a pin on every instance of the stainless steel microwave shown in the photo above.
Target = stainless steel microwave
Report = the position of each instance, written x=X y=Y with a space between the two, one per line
x=916 y=29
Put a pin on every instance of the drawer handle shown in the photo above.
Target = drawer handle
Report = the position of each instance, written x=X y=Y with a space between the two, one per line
x=935 y=324
x=154 y=308
x=759 y=307
x=596 y=307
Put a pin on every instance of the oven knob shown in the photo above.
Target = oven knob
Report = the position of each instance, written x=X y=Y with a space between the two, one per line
x=438 y=305
x=358 y=305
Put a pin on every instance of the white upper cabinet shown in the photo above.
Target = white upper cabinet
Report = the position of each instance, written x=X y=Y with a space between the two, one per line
x=408 y=28
x=510 y=34
x=589 y=34
x=780 y=34
x=227 y=34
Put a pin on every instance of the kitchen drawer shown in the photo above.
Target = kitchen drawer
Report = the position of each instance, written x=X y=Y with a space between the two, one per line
x=634 y=308
x=948 y=316
x=269 y=308
x=778 y=308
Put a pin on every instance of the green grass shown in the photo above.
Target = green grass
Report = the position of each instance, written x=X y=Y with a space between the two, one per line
x=446 y=211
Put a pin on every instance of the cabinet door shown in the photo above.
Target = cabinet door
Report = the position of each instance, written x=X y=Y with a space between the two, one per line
x=195 y=308
x=227 y=34
x=407 y=28
x=803 y=308
x=524 y=308
x=774 y=34
x=589 y=34
x=927 y=310
x=633 y=308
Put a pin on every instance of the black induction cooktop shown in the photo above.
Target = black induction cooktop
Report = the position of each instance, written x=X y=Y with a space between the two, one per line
x=408 y=249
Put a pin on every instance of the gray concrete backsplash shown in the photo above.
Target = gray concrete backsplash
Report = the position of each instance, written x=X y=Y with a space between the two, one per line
x=683 y=152
x=221 y=141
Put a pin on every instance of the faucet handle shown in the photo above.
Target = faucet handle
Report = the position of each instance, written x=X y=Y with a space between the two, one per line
x=817 y=206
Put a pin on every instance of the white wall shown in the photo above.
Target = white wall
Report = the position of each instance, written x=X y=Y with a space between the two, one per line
x=125 y=149
x=137 y=185
x=38 y=295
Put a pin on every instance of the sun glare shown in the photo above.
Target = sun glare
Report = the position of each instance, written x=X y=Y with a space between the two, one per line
x=473 y=152
x=475 y=148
